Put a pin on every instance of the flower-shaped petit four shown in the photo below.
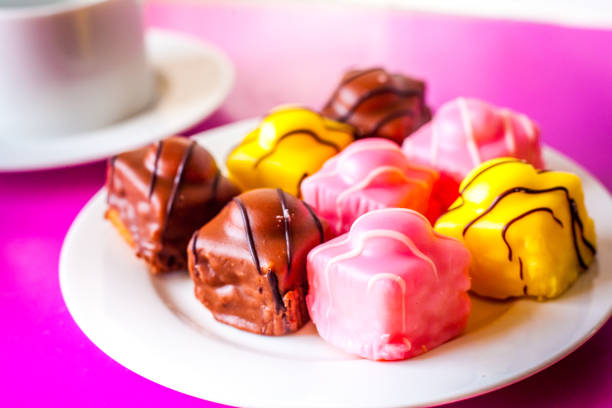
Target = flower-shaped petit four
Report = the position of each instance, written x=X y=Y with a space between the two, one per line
x=466 y=132
x=290 y=144
x=389 y=289
x=527 y=229
x=368 y=175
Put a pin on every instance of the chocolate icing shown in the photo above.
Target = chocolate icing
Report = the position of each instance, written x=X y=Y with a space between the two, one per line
x=379 y=104
x=110 y=173
x=317 y=222
x=249 y=234
x=409 y=93
x=249 y=262
x=286 y=220
x=176 y=183
x=160 y=194
x=154 y=172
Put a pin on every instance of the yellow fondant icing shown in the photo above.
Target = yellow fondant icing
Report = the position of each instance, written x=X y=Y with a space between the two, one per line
x=528 y=230
x=290 y=143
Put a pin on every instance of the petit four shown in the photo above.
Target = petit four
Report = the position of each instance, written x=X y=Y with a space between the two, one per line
x=159 y=194
x=368 y=175
x=379 y=104
x=249 y=262
x=389 y=289
x=527 y=229
x=466 y=132
x=289 y=144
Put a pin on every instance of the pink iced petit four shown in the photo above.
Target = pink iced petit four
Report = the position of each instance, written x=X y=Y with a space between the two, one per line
x=369 y=174
x=466 y=132
x=389 y=289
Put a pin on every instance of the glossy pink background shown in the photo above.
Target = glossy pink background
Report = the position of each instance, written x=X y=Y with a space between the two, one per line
x=562 y=77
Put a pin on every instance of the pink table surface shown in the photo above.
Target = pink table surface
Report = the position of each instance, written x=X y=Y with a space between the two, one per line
x=560 y=76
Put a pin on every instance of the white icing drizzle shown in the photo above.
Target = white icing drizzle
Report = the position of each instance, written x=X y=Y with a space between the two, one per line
x=351 y=151
x=400 y=282
x=358 y=249
x=509 y=136
x=528 y=126
x=372 y=144
x=371 y=176
x=408 y=211
x=367 y=180
x=469 y=131
x=315 y=251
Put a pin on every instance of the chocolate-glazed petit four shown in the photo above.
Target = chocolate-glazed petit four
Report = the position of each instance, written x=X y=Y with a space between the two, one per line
x=158 y=195
x=379 y=104
x=249 y=262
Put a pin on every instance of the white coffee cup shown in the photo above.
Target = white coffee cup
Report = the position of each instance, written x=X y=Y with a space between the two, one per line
x=68 y=66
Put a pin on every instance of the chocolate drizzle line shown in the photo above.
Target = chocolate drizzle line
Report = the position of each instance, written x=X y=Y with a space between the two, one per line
x=194 y=241
x=278 y=299
x=292 y=133
x=579 y=222
x=521 y=275
x=573 y=214
x=525 y=214
x=481 y=172
x=249 y=233
x=111 y=175
x=154 y=172
x=389 y=118
x=177 y=183
x=359 y=75
x=287 y=227
x=377 y=92
x=347 y=81
x=316 y=220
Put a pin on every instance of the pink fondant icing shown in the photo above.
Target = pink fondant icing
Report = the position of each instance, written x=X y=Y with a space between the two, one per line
x=466 y=132
x=389 y=289
x=369 y=174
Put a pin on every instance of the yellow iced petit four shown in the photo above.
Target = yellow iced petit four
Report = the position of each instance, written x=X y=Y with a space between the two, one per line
x=289 y=144
x=528 y=230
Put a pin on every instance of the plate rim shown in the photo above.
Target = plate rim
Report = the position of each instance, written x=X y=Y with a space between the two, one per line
x=501 y=383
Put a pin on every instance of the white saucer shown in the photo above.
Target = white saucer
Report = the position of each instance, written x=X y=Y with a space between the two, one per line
x=193 y=80
x=155 y=326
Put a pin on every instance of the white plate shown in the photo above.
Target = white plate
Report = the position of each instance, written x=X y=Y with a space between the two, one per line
x=155 y=327
x=193 y=79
